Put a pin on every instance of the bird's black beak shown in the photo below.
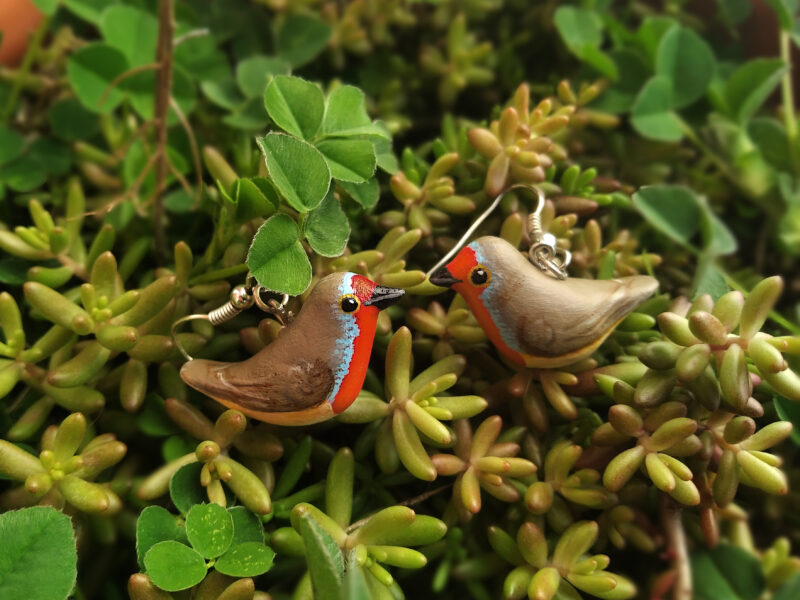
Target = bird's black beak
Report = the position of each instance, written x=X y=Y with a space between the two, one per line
x=383 y=297
x=443 y=278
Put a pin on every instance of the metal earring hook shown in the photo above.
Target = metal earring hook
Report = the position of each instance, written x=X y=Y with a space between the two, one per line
x=544 y=252
x=241 y=298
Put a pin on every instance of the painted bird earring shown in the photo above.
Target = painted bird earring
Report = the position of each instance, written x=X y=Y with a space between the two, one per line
x=314 y=369
x=531 y=311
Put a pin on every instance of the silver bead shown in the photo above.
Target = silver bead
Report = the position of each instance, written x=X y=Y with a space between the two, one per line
x=241 y=298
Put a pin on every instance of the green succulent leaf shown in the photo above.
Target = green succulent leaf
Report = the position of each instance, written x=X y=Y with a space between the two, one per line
x=277 y=259
x=298 y=170
x=209 y=528
x=247 y=559
x=38 y=546
x=174 y=566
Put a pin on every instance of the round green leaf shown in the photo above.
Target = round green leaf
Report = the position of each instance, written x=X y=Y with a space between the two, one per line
x=88 y=10
x=673 y=210
x=155 y=524
x=12 y=144
x=300 y=38
x=132 y=31
x=209 y=528
x=91 y=69
x=276 y=257
x=633 y=72
x=174 y=566
x=23 y=174
x=37 y=554
x=751 y=84
x=297 y=169
x=687 y=61
x=366 y=194
x=70 y=120
x=789 y=411
x=726 y=572
x=769 y=136
x=578 y=27
x=141 y=88
x=349 y=159
x=223 y=92
x=202 y=59
x=327 y=228
x=652 y=114
x=184 y=487
x=246 y=560
x=253 y=72
x=247 y=526
x=295 y=105
x=346 y=114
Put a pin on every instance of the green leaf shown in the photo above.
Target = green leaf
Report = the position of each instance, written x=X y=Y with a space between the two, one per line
x=209 y=528
x=786 y=11
x=223 y=92
x=673 y=210
x=652 y=114
x=650 y=33
x=578 y=27
x=88 y=10
x=734 y=12
x=324 y=559
x=295 y=105
x=48 y=7
x=253 y=73
x=251 y=201
x=709 y=279
x=152 y=419
x=346 y=114
x=276 y=257
x=600 y=61
x=751 y=84
x=174 y=566
x=37 y=555
x=53 y=155
x=184 y=487
x=12 y=144
x=91 y=69
x=769 y=136
x=355 y=583
x=201 y=58
x=155 y=524
x=246 y=526
x=23 y=174
x=297 y=169
x=141 y=88
x=14 y=271
x=366 y=194
x=726 y=573
x=132 y=31
x=387 y=161
x=633 y=73
x=687 y=61
x=327 y=228
x=248 y=117
x=300 y=38
x=348 y=159
x=246 y=560
x=71 y=121
x=717 y=238
x=789 y=590
x=789 y=411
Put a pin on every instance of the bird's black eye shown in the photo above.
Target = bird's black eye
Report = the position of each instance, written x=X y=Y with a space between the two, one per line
x=480 y=275
x=349 y=303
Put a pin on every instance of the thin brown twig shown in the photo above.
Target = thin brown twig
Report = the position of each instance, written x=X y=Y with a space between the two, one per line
x=676 y=540
x=166 y=28
x=198 y=165
x=179 y=176
x=130 y=193
x=123 y=76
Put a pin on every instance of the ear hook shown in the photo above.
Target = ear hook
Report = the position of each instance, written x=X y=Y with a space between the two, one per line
x=241 y=298
x=543 y=253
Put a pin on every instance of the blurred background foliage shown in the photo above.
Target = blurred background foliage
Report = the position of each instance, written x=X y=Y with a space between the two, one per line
x=143 y=144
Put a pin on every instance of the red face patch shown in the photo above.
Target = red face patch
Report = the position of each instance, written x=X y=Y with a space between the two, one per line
x=363 y=287
x=462 y=264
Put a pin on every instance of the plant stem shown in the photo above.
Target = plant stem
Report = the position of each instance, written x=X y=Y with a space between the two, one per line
x=676 y=540
x=166 y=28
x=22 y=74
x=787 y=94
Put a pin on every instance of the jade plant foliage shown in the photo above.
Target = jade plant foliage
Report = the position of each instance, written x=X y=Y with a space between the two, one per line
x=155 y=154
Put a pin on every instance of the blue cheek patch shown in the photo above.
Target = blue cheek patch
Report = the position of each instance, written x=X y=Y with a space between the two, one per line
x=345 y=345
x=501 y=319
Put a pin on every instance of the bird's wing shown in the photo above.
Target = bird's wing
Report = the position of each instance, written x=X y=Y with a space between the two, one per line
x=261 y=385
x=566 y=316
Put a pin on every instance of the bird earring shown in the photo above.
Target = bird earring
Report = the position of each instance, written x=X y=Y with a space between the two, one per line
x=530 y=310
x=314 y=369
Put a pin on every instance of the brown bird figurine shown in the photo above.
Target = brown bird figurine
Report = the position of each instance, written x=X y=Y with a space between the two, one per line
x=315 y=368
x=532 y=318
